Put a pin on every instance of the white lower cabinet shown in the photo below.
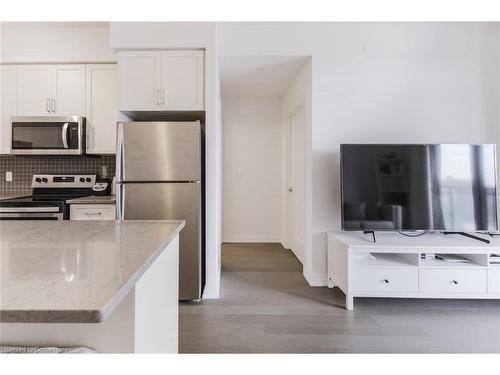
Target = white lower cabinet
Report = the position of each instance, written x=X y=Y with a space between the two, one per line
x=385 y=280
x=92 y=212
x=454 y=280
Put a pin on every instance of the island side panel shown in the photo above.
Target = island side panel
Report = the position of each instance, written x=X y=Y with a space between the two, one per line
x=156 y=304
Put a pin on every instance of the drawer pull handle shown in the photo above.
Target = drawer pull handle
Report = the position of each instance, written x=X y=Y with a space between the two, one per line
x=93 y=213
x=386 y=281
x=455 y=282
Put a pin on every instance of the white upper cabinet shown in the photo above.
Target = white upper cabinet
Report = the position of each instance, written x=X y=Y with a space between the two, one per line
x=102 y=108
x=167 y=80
x=8 y=83
x=35 y=89
x=182 y=80
x=69 y=89
x=139 y=84
x=51 y=90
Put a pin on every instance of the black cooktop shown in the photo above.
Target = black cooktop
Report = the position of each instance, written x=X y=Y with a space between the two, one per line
x=40 y=200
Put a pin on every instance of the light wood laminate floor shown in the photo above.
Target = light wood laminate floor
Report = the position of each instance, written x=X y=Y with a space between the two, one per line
x=266 y=306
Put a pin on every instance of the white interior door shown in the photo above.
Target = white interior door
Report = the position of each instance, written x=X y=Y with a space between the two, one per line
x=296 y=182
x=69 y=89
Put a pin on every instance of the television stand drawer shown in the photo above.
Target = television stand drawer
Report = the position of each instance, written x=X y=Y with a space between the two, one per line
x=441 y=280
x=380 y=279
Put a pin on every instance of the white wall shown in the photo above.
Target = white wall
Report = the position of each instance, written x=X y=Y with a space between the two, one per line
x=381 y=82
x=252 y=169
x=190 y=35
x=46 y=42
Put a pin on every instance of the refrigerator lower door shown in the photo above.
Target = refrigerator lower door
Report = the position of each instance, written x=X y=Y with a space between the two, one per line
x=171 y=201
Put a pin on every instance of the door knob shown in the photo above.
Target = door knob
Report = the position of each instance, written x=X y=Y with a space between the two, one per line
x=290 y=190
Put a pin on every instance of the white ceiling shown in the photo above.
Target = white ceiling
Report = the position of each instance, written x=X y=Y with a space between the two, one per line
x=258 y=75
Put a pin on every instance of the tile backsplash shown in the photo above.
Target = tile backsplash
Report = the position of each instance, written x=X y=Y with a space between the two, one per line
x=23 y=168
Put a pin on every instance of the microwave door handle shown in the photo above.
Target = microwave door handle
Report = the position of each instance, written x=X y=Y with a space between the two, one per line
x=65 y=135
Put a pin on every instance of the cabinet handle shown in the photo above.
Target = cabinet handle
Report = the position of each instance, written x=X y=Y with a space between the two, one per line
x=164 y=96
x=53 y=105
x=158 y=97
x=386 y=281
x=455 y=282
x=48 y=105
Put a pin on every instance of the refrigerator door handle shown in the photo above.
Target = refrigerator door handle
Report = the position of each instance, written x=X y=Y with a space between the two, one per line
x=122 y=202
x=119 y=153
x=118 y=197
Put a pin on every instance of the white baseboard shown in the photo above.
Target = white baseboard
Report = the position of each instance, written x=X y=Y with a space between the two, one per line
x=251 y=238
x=316 y=280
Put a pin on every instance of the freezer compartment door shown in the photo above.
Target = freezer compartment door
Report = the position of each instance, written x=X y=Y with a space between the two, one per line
x=171 y=201
x=159 y=151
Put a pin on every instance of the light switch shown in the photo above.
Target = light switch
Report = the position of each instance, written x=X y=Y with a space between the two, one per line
x=8 y=176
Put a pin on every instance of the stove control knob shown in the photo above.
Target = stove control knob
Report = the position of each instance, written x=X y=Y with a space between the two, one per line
x=44 y=179
x=38 y=179
x=88 y=179
x=82 y=179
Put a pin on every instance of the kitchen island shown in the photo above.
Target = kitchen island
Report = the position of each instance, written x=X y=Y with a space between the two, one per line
x=108 y=285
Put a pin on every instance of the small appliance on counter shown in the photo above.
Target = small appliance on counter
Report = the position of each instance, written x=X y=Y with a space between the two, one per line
x=49 y=196
x=103 y=182
x=102 y=187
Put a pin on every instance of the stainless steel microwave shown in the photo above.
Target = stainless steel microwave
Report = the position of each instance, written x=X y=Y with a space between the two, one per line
x=48 y=135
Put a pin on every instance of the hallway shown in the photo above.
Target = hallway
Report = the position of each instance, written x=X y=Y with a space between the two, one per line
x=266 y=306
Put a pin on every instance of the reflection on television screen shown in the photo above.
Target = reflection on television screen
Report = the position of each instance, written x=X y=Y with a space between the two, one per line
x=417 y=187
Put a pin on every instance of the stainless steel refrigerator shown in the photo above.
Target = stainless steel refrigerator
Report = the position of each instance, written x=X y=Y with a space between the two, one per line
x=159 y=177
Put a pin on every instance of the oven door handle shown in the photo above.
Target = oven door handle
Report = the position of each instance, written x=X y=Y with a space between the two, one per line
x=31 y=216
x=65 y=135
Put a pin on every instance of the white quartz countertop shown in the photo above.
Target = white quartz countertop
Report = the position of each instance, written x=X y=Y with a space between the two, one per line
x=74 y=271
x=93 y=199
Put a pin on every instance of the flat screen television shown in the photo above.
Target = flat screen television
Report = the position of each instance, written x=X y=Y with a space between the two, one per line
x=435 y=187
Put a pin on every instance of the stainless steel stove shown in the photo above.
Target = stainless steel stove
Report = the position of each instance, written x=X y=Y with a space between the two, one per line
x=48 y=199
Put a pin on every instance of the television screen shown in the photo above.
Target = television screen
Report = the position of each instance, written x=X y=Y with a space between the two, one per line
x=418 y=187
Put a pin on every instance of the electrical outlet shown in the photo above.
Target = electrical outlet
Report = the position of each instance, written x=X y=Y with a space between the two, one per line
x=8 y=176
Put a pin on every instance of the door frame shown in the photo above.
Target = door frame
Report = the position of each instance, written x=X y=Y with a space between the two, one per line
x=295 y=109
x=302 y=100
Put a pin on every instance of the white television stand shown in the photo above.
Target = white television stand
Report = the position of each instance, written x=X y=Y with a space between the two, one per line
x=392 y=266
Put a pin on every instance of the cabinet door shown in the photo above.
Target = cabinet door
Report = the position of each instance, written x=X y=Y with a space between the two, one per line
x=69 y=89
x=182 y=77
x=34 y=89
x=8 y=83
x=92 y=212
x=139 y=80
x=102 y=108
